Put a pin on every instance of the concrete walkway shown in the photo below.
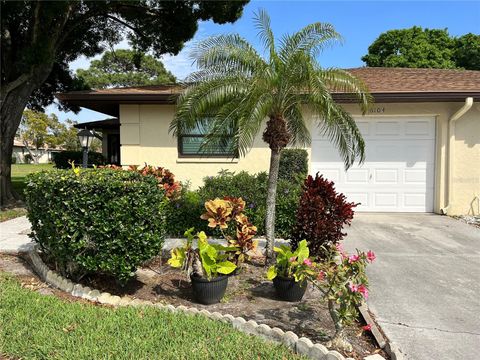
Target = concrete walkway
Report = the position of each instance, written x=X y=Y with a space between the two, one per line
x=14 y=235
x=425 y=283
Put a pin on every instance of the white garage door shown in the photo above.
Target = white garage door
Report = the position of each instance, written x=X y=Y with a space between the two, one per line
x=398 y=172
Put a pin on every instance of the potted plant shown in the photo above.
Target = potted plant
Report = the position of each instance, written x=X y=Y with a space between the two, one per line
x=291 y=271
x=207 y=266
x=227 y=214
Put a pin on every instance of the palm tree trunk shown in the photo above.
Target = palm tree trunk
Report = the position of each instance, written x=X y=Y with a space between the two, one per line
x=271 y=201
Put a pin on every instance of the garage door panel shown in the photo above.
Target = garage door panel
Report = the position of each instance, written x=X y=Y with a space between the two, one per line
x=386 y=176
x=388 y=128
x=357 y=176
x=418 y=128
x=398 y=172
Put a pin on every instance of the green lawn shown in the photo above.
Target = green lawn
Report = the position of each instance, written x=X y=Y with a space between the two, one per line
x=19 y=171
x=34 y=326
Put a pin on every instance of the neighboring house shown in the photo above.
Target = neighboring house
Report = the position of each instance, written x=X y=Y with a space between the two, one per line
x=422 y=140
x=20 y=152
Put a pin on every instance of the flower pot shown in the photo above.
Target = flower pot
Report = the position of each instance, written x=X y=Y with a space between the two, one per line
x=209 y=291
x=288 y=289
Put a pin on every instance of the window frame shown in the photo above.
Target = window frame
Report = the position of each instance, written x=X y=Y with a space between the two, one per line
x=181 y=154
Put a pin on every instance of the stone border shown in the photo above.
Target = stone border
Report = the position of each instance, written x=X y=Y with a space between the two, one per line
x=389 y=347
x=302 y=346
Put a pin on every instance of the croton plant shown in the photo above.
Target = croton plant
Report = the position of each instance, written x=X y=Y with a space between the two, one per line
x=227 y=215
x=165 y=177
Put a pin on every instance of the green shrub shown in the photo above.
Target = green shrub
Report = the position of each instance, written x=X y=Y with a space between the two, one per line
x=99 y=220
x=253 y=189
x=61 y=159
x=293 y=164
x=14 y=160
x=184 y=211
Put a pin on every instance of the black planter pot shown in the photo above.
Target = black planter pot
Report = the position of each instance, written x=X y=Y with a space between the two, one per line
x=288 y=289
x=209 y=291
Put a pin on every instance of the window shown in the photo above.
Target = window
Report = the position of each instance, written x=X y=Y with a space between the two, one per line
x=190 y=144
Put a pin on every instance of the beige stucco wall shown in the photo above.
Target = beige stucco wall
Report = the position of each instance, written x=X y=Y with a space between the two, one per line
x=466 y=164
x=145 y=138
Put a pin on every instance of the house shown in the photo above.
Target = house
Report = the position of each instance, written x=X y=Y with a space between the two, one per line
x=22 y=155
x=422 y=140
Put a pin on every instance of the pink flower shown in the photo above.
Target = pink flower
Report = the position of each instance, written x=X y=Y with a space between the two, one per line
x=292 y=259
x=340 y=248
x=307 y=262
x=353 y=258
x=321 y=275
x=363 y=290
x=371 y=256
x=353 y=287
x=367 y=327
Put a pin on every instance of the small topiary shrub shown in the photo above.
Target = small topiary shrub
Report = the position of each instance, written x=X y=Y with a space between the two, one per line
x=293 y=164
x=62 y=159
x=322 y=213
x=96 y=220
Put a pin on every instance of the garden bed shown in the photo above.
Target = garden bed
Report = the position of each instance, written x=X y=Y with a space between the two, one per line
x=249 y=295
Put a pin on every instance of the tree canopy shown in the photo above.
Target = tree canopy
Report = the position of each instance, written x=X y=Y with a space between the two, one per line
x=424 y=48
x=125 y=68
x=40 y=38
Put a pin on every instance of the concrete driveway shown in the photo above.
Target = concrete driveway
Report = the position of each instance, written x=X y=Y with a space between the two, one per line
x=425 y=283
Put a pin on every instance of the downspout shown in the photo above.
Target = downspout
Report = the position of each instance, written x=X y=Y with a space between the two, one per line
x=451 y=147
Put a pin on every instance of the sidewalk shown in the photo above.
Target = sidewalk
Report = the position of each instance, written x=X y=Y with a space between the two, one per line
x=14 y=235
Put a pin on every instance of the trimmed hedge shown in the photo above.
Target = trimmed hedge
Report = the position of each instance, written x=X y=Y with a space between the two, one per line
x=61 y=159
x=293 y=163
x=185 y=211
x=96 y=220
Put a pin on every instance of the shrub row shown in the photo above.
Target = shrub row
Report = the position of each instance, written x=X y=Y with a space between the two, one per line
x=96 y=220
x=293 y=164
x=62 y=159
x=187 y=208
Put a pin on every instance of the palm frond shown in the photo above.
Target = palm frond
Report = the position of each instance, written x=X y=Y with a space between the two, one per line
x=339 y=80
x=265 y=33
x=312 y=39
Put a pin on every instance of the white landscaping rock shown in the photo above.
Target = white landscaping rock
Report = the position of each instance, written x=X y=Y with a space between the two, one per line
x=334 y=355
x=374 y=357
x=290 y=339
x=318 y=352
x=303 y=346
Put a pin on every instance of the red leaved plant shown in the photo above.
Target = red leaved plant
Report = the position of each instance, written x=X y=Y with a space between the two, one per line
x=321 y=216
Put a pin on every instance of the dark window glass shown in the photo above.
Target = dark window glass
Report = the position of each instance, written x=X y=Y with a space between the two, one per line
x=190 y=144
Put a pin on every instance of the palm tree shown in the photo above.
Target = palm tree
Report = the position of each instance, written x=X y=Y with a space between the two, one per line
x=235 y=89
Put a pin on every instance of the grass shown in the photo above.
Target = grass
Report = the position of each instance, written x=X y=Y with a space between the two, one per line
x=19 y=171
x=9 y=214
x=34 y=326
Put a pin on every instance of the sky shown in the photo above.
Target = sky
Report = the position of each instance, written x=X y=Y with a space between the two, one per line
x=359 y=22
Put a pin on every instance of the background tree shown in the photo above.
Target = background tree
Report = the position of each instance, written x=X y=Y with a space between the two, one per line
x=40 y=38
x=38 y=131
x=466 y=52
x=414 y=48
x=235 y=89
x=125 y=68
x=424 y=48
x=68 y=138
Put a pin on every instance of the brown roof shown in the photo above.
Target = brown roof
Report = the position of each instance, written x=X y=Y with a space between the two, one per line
x=403 y=80
x=385 y=84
